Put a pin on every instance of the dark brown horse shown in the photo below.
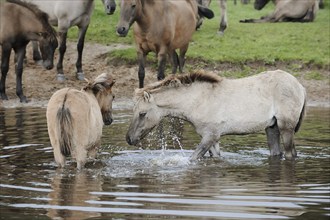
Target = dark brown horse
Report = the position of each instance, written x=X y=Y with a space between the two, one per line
x=287 y=10
x=160 y=27
x=20 y=23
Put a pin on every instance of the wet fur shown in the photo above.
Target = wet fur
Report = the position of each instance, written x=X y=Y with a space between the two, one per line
x=75 y=119
x=272 y=100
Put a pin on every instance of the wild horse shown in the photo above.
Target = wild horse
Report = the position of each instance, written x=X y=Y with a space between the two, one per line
x=66 y=14
x=20 y=23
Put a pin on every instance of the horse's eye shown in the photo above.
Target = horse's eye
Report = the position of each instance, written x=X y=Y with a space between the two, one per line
x=142 y=114
x=133 y=6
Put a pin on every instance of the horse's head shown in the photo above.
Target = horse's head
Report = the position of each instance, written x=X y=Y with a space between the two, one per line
x=48 y=44
x=128 y=13
x=102 y=90
x=145 y=117
x=109 y=6
x=259 y=4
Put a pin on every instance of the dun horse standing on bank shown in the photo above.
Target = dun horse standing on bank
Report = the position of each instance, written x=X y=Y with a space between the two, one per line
x=66 y=14
x=273 y=100
x=160 y=27
x=287 y=10
x=20 y=23
x=75 y=119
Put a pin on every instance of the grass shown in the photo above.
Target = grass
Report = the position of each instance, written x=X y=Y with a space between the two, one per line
x=306 y=44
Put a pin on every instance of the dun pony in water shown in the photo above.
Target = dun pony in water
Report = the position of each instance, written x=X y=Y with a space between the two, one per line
x=66 y=14
x=21 y=23
x=287 y=10
x=160 y=27
x=273 y=100
x=75 y=119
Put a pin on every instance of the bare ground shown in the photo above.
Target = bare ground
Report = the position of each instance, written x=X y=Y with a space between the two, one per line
x=40 y=84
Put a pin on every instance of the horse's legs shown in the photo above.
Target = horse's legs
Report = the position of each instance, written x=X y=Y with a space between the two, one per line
x=202 y=147
x=288 y=143
x=161 y=66
x=215 y=151
x=183 y=51
x=19 y=71
x=81 y=157
x=62 y=49
x=223 y=21
x=59 y=158
x=175 y=61
x=5 y=57
x=80 y=48
x=141 y=72
x=36 y=54
x=273 y=140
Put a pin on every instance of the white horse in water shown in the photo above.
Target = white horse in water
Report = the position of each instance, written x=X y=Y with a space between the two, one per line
x=273 y=100
x=64 y=15
x=75 y=119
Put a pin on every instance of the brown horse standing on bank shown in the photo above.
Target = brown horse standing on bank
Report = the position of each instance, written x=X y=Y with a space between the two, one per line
x=21 y=23
x=160 y=27
x=287 y=10
x=75 y=119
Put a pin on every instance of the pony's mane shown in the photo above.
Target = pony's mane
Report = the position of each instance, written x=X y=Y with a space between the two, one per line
x=100 y=83
x=42 y=16
x=181 y=80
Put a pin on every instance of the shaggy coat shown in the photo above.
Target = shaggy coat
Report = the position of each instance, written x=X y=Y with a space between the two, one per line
x=75 y=119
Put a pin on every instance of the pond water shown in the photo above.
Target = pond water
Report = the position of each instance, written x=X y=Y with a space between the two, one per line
x=156 y=180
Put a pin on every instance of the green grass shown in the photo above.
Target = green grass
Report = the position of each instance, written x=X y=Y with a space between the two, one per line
x=305 y=43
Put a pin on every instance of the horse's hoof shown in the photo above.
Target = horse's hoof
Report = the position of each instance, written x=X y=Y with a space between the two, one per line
x=39 y=62
x=60 y=77
x=23 y=99
x=80 y=76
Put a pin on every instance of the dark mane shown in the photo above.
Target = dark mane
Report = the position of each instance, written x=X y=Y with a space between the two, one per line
x=42 y=16
x=181 y=80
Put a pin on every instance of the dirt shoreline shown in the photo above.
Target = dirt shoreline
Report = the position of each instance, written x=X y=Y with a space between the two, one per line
x=40 y=84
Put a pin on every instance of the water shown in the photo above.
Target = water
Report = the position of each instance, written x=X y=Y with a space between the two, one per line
x=147 y=182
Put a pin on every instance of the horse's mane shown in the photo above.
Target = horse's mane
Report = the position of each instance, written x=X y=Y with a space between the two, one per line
x=42 y=16
x=181 y=80
x=100 y=83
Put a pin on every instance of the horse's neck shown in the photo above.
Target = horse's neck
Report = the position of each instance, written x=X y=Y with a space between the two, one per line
x=178 y=102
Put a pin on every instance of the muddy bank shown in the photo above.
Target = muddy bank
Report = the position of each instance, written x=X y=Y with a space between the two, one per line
x=39 y=84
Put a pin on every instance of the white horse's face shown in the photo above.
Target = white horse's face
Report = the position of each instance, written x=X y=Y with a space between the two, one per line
x=145 y=117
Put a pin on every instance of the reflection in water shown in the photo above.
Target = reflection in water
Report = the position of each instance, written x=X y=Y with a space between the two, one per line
x=147 y=182
x=72 y=189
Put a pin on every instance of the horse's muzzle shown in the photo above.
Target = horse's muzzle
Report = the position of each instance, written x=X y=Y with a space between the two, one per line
x=108 y=121
x=130 y=141
x=110 y=10
x=122 y=31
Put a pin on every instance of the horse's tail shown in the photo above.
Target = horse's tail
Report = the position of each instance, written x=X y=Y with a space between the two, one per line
x=205 y=12
x=302 y=115
x=64 y=119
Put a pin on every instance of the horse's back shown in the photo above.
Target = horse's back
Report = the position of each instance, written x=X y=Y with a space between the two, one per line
x=11 y=26
x=77 y=101
x=85 y=114
x=65 y=13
